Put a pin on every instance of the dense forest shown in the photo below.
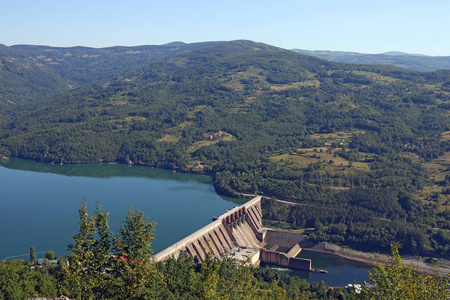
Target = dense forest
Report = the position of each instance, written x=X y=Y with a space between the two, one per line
x=363 y=149
x=29 y=73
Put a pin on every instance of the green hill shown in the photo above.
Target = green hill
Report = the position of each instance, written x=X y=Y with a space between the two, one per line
x=21 y=82
x=81 y=66
x=363 y=148
x=29 y=73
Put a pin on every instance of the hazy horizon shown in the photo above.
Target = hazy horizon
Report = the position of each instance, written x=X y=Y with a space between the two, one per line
x=350 y=26
x=390 y=52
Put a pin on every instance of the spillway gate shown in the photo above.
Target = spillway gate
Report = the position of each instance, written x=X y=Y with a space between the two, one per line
x=237 y=228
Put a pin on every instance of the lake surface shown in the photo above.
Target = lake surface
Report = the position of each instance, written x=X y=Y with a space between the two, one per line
x=341 y=271
x=39 y=202
x=39 y=207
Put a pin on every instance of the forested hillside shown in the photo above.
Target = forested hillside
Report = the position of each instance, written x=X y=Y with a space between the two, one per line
x=20 y=83
x=29 y=72
x=364 y=149
x=83 y=65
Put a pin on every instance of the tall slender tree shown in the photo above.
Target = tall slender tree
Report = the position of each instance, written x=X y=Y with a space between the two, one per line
x=32 y=255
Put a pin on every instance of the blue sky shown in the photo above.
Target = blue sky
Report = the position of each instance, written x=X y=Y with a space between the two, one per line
x=342 y=25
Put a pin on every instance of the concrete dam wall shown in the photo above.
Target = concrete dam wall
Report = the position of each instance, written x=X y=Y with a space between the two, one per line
x=285 y=260
x=239 y=231
x=237 y=228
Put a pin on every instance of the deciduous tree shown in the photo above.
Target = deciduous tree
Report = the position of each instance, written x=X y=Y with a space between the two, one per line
x=86 y=276
x=398 y=281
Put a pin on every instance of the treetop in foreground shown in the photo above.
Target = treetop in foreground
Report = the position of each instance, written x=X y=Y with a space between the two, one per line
x=398 y=281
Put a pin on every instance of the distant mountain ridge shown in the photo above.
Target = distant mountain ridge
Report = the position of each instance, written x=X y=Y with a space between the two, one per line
x=84 y=65
x=32 y=72
x=398 y=53
x=413 y=62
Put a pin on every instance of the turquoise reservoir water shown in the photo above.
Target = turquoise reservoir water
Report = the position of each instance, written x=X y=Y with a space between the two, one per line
x=39 y=202
x=341 y=271
x=39 y=207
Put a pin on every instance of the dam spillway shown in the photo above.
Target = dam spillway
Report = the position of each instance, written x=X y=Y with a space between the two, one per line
x=239 y=231
x=237 y=228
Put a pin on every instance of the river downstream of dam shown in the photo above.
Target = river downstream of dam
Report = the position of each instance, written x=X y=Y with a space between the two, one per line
x=39 y=208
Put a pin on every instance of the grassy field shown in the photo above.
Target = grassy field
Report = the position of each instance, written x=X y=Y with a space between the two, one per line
x=280 y=87
x=192 y=114
x=236 y=81
x=211 y=139
x=376 y=77
x=327 y=154
x=336 y=137
x=173 y=134
x=333 y=163
x=433 y=193
x=171 y=138
x=445 y=136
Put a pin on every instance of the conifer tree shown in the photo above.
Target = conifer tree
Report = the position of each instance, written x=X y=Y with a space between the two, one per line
x=32 y=255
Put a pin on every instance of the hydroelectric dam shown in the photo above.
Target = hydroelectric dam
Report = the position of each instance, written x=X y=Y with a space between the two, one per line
x=239 y=231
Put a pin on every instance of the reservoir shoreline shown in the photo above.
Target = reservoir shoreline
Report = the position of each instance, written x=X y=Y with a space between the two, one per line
x=368 y=258
x=40 y=202
x=75 y=176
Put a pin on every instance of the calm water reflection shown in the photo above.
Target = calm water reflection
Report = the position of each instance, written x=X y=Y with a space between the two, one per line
x=39 y=202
